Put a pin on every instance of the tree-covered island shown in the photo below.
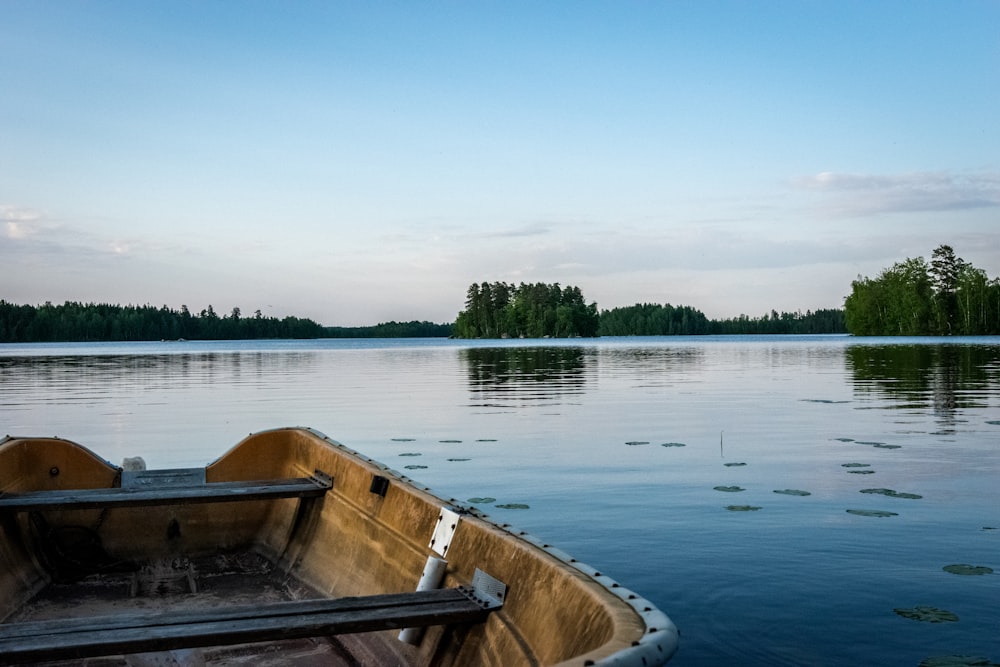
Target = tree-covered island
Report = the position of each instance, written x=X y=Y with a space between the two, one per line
x=501 y=310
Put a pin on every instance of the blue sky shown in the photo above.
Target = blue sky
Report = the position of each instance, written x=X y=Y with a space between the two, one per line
x=359 y=162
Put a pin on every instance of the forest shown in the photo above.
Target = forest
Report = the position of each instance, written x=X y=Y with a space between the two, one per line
x=74 y=321
x=946 y=296
x=667 y=320
x=914 y=297
x=493 y=310
x=536 y=310
x=500 y=310
x=393 y=329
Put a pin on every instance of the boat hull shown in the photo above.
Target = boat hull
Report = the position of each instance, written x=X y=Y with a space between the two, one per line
x=370 y=534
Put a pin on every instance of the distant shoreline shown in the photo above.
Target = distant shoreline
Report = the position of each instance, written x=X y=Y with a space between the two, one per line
x=76 y=322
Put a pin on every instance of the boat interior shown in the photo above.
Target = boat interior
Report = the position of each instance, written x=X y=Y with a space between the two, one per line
x=320 y=550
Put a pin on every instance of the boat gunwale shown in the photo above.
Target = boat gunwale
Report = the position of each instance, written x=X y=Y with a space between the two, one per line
x=660 y=639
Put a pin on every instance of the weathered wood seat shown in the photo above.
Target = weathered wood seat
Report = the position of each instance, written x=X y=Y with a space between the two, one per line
x=163 y=487
x=79 y=638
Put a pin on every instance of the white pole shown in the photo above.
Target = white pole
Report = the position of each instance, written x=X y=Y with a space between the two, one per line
x=431 y=579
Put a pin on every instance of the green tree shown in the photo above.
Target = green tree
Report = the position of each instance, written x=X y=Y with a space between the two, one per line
x=946 y=270
x=977 y=302
x=896 y=303
x=947 y=296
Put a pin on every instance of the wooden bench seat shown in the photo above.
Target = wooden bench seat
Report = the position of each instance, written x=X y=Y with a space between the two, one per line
x=79 y=638
x=164 y=488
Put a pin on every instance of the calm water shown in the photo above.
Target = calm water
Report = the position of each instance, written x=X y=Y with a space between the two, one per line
x=617 y=446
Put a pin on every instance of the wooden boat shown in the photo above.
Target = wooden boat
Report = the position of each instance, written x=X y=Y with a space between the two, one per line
x=289 y=549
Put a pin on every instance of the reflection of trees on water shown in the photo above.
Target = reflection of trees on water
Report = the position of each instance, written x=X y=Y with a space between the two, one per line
x=504 y=376
x=73 y=378
x=653 y=365
x=945 y=378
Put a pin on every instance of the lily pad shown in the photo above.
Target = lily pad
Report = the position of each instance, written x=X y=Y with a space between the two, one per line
x=735 y=464
x=514 y=506
x=729 y=489
x=450 y=442
x=893 y=494
x=882 y=445
x=856 y=465
x=486 y=440
x=403 y=439
x=415 y=467
x=792 y=492
x=927 y=614
x=459 y=459
x=861 y=472
x=844 y=439
x=876 y=513
x=742 y=508
x=481 y=501
x=411 y=454
x=957 y=661
x=673 y=444
x=633 y=443
x=968 y=570
x=994 y=422
x=820 y=400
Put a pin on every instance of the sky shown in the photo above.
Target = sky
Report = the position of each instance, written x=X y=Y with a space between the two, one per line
x=361 y=162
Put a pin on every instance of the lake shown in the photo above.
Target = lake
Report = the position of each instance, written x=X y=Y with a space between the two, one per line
x=786 y=500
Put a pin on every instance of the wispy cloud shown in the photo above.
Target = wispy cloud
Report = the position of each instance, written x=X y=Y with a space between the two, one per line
x=29 y=234
x=33 y=239
x=19 y=223
x=865 y=194
x=600 y=254
x=530 y=229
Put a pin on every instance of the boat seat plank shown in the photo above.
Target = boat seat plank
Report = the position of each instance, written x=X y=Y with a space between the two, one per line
x=137 y=496
x=79 y=638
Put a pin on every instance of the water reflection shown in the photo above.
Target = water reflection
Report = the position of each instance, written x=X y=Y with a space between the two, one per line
x=75 y=379
x=512 y=376
x=944 y=379
x=653 y=366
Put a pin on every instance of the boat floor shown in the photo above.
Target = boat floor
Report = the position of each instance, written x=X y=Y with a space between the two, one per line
x=204 y=583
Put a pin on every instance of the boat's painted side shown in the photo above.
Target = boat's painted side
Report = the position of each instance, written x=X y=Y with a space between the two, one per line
x=352 y=541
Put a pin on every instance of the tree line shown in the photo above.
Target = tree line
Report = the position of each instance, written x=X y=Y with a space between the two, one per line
x=500 y=310
x=530 y=311
x=648 y=319
x=74 y=321
x=914 y=297
x=535 y=310
x=393 y=329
